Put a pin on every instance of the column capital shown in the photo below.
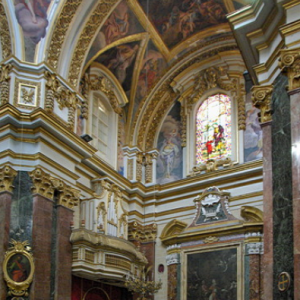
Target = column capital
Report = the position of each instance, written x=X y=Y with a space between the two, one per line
x=261 y=98
x=290 y=61
x=7 y=176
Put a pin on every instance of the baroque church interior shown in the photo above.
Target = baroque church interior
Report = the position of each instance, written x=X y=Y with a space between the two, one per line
x=149 y=149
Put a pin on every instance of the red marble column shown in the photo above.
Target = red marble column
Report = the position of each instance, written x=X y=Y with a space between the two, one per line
x=267 y=264
x=63 y=274
x=254 y=278
x=41 y=246
x=295 y=136
x=5 y=206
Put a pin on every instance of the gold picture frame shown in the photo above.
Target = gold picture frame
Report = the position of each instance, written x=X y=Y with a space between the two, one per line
x=18 y=268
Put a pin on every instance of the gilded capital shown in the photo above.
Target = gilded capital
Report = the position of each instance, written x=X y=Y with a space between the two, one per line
x=290 y=61
x=261 y=98
x=7 y=176
x=41 y=183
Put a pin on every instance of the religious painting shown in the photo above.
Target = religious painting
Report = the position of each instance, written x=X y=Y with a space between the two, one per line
x=253 y=133
x=32 y=17
x=121 y=23
x=169 y=162
x=120 y=60
x=177 y=20
x=212 y=275
x=152 y=68
x=18 y=268
x=213 y=129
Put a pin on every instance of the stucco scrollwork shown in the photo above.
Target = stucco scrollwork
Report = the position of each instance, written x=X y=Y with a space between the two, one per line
x=261 y=98
x=290 y=60
x=7 y=176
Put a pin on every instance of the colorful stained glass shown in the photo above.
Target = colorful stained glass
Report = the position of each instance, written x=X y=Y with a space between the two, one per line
x=213 y=129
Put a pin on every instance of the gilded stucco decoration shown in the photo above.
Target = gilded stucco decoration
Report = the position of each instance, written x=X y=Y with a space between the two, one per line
x=45 y=185
x=172 y=229
x=4 y=83
x=164 y=97
x=97 y=17
x=210 y=166
x=55 y=91
x=251 y=214
x=27 y=94
x=183 y=125
x=7 y=176
x=261 y=98
x=290 y=60
x=4 y=34
x=104 y=85
x=64 y=20
x=142 y=233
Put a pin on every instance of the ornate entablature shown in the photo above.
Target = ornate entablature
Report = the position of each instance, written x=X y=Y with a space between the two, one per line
x=142 y=233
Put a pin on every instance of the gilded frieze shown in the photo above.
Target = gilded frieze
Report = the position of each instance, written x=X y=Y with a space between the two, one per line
x=7 y=176
x=261 y=98
x=4 y=83
x=290 y=61
x=64 y=20
x=97 y=17
x=4 y=34
x=27 y=94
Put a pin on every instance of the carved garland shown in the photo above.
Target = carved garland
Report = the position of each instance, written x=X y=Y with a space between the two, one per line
x=86 y=36
x=154 y=101
x=4 y=83
x=4 y=34
x=62 y=26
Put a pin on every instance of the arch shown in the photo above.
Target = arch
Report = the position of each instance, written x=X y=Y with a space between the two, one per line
x=92 y=295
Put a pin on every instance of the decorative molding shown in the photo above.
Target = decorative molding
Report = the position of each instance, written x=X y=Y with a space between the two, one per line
x=27 y=94
x=7 y=176
x=104 y=85
x=210 y=239
x=290 y=61
x=5 y=36
x=4 y=82
x=254 y=248
x=172 y=259
x=211 y=165
x=261 y=98
x=251 y=214
x=183 y=121
x=63 y=22
x=173 y=228
x=142 y=233
x=96 y=18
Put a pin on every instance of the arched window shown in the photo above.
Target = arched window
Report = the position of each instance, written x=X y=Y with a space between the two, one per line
x=104 y=129
x=213 y=129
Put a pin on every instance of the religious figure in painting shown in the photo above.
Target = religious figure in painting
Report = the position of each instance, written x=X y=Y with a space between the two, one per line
x=32 y=17
x=17 y=269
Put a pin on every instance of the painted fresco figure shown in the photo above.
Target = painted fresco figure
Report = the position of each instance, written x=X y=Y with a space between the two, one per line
x=17 y=269
x=32 y=17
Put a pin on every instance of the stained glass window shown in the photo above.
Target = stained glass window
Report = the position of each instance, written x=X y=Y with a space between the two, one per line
x=213 y=129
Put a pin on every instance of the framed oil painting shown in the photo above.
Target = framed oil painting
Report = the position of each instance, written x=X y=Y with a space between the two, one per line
x=213 y=274
x=18 y=268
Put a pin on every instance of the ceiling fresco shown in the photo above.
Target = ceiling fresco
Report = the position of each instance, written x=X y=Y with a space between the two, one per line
x=140 y=39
